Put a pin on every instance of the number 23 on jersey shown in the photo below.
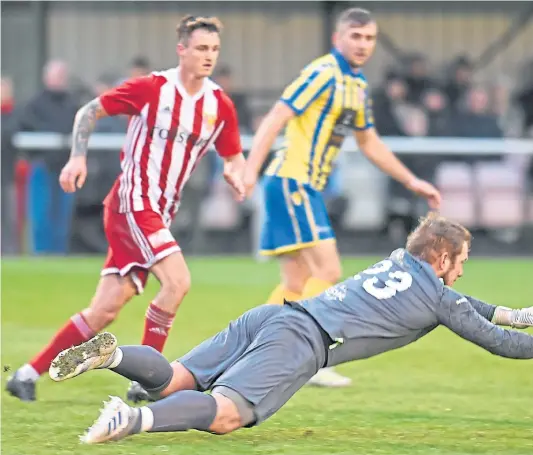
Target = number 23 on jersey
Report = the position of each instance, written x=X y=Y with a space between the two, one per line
x=397 y=281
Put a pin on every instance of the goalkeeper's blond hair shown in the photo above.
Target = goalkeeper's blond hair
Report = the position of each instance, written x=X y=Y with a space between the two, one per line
x=436 y=234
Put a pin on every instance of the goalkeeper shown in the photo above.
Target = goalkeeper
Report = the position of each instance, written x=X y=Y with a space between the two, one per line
x=254 y=366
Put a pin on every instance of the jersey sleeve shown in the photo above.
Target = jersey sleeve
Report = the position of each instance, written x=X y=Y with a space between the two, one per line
x=456 y=312
x=228 y=142
x=484 y=309
x=129 y=97
x=365 y=117
x=307 y=87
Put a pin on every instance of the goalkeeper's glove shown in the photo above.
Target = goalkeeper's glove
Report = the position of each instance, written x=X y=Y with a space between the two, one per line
x=517 y=319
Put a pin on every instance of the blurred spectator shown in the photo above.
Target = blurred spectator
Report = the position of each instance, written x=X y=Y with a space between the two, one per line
x=115 y=124
x=474 y=119
x=385 y=102
x=139 y=66
x=414 y=120
x=439 y=116
x=417 y=77
x=525 y=101
x=8 y=154
x=54 y=108
x=510 y=118
x=459 y=82
x=50 y=209
x=224 y=77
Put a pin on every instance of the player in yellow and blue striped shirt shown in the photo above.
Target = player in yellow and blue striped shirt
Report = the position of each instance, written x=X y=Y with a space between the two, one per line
x=328 y=101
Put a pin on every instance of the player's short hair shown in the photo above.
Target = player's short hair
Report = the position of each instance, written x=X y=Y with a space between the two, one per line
x=356 y=17
x=436 y=234
x=190 y=23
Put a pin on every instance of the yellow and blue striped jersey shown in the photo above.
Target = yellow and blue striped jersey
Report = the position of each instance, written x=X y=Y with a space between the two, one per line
x=330 y=100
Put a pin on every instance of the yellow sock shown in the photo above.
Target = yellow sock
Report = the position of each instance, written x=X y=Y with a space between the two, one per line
x=280 y=293
x=314 y=286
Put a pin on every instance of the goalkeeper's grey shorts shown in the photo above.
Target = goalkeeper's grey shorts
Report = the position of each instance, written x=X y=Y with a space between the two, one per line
x=266 y=356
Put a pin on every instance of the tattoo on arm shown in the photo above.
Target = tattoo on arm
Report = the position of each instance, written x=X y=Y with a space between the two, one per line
x=84 y=125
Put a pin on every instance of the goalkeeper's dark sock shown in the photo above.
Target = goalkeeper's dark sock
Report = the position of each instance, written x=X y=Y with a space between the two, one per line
x=181 y=411
x=144 y=365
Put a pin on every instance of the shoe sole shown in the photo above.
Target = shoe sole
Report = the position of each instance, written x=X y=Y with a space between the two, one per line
x=67 y=362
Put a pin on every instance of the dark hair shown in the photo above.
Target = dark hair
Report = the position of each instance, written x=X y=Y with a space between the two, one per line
x=139 y=62
x=190 y=23
x=436 y=234
x=355 y=16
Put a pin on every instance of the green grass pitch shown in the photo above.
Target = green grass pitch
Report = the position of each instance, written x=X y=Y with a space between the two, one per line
x=440 y=395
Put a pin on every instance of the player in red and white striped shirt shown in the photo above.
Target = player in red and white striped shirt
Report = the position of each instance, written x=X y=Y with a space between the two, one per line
x=176 y=116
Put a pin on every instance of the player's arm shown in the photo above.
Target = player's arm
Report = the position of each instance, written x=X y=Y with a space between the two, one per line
x=84 y=124
x=295 y=100
x=484 y=309
x=500 y=315
x=377 y=151
x=127 y=99
x=229 y=148
x=74 y=173
x=373 y=147
x=233 y=174
x=265 y=136
x=456 y=313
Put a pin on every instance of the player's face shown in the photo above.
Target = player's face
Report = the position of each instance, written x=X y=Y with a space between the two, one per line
x=356 y=44
x=200 y=55
x=455 y=269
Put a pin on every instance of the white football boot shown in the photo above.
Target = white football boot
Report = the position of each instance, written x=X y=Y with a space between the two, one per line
x=93 y=354
x=115 y=422
x=328 y=377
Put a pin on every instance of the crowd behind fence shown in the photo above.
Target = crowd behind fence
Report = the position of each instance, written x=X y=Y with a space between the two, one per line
x=491 y=193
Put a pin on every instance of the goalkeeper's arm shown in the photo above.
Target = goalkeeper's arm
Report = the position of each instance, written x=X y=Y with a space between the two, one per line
x=500 y=315
x=459 y=315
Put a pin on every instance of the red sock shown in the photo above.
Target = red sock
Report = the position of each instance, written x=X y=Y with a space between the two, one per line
x=74 y=332
x=157 y=324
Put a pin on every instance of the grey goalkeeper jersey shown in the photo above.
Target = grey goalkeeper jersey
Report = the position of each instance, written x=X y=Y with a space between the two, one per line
x=396 y=302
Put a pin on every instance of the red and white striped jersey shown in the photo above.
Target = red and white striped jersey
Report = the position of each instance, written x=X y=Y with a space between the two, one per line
x=168 y=133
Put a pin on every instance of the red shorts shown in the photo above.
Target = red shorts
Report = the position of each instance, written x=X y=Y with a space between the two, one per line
x=137 y=240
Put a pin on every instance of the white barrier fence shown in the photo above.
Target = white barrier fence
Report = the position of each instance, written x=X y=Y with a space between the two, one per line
x=400 y=145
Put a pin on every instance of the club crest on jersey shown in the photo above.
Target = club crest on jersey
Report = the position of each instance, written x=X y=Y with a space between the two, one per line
x=209 y=121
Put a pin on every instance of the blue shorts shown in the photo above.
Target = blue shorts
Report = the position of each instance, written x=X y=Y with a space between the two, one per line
x=295 y=216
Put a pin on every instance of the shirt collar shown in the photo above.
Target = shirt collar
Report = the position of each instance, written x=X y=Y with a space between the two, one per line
x=346 y=68
x=181 y=88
